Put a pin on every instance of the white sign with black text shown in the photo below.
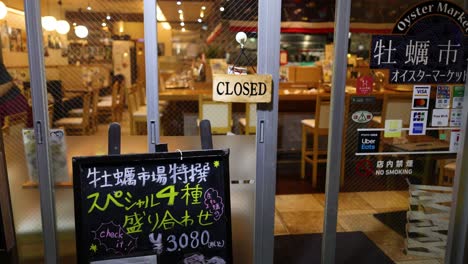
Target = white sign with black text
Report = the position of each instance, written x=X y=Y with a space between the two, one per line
x=440 y=117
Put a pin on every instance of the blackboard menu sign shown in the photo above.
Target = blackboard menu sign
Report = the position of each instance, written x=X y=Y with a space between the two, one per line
x=173 y=206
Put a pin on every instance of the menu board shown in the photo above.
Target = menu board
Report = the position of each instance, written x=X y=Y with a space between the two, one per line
x=174 y=207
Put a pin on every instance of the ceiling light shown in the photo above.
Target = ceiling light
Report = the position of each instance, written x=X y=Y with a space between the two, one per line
x=166 y=26
x=121 y=26
x=108 y=17
x=178 y=2
x=49 y=23
x=3 y=10
x=74 y=24
x=81 y=31
x=183 y=29
x=199 y=20
x=221 y=9
x=202 y=14
x=89 y=8
x=181 y=17
x=103 y=24
x=62 y=27
x=182 y=24
x=161 y=17
x=180 y=11
x=203 y=8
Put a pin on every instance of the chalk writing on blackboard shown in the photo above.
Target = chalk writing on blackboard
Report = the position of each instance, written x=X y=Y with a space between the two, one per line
x=114 y=238
x=176 y=209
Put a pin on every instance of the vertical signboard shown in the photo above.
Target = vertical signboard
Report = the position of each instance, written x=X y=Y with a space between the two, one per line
x=173 y=207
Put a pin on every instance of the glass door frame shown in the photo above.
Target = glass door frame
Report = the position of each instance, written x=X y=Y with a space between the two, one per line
x=32 y=11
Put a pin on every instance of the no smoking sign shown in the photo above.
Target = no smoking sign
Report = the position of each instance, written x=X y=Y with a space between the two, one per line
x=365 y=168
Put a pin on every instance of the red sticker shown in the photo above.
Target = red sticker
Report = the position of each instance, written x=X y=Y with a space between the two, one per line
x=364 y=85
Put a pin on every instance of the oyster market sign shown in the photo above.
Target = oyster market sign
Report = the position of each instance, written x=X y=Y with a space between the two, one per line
x=242 y=88
x=424 y=9
x=428 y=45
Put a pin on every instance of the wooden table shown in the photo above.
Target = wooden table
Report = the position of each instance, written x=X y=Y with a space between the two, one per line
x=429 y=149
x=287 y=91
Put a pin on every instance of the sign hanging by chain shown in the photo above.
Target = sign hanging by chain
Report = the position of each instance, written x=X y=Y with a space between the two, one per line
x=237 y=86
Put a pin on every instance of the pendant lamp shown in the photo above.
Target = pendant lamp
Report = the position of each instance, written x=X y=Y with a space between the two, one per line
x=81 y=31
x=3 y=10
x=49 y=23
x=63 y=27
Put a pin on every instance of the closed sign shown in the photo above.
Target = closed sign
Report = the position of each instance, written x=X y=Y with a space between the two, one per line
x=242 y=88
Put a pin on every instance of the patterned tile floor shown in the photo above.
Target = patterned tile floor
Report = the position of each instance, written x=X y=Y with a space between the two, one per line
x=303 y=213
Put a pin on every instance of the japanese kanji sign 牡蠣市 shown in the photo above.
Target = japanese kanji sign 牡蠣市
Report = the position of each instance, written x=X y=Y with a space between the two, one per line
x=429 y=45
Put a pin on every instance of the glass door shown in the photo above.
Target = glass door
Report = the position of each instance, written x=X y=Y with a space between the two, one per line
x=94 y=72
x=402 y=132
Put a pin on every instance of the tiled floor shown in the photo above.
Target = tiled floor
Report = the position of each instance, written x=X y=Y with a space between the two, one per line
x=303 y=213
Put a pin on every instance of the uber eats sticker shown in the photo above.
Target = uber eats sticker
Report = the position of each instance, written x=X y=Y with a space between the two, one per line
x=368 y=141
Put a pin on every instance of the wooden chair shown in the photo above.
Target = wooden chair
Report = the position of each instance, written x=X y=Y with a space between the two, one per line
x=318 y=127
x=447 y=172
x=80 y=124
x=137 y=114
x=395 y=106
x=249 y=122
x=113 y=107
x=219 y=114
x=140 y=94
x=96 y=86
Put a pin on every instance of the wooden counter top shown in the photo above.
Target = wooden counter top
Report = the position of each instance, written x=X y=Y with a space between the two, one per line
x=287 y=92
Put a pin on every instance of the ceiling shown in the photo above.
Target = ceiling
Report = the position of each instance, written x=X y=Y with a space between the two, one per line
x=126 y=8
x=191 y=9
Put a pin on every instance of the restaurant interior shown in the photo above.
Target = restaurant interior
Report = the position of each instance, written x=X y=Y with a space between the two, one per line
x=95 y=71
